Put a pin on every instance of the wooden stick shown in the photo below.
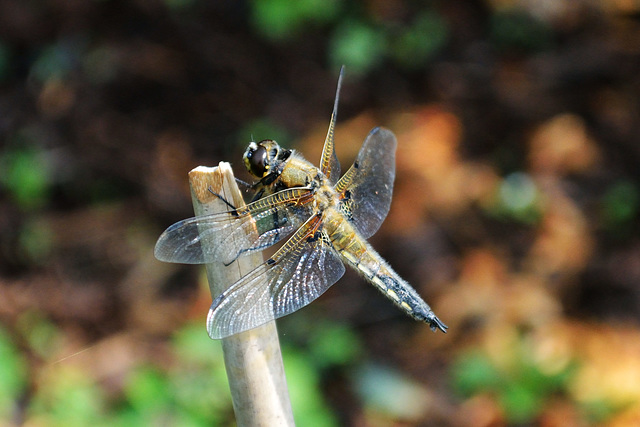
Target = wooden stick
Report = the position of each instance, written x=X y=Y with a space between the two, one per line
x=252 y=358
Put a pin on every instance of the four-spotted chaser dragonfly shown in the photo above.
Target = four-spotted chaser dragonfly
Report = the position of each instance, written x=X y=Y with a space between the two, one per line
x=327 y=217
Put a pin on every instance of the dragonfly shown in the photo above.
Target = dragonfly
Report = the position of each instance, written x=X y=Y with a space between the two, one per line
x=325 y=219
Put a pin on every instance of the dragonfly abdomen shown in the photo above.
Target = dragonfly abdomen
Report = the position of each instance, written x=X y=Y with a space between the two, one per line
x=362 y=257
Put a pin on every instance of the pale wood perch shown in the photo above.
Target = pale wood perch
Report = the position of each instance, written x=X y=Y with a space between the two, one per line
x=253 y=359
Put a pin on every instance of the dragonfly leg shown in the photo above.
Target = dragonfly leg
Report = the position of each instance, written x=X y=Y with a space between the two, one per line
x=244 y=184
x=219 y=196
x=248 y=188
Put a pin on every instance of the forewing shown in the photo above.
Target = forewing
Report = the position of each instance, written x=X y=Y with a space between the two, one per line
x=297 y=274
x=235 y=233
x=329 y=164
x=366 y=188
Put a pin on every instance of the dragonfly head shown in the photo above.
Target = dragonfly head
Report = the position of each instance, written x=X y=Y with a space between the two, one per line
x=261 y=158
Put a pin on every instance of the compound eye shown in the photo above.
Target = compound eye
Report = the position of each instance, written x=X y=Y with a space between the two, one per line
x=256 y=161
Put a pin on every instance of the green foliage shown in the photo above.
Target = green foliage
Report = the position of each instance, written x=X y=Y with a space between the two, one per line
x=518 y=31
x=13 y=371
x=280 y=20
x=599 y=411
x=200 y=380
x=620 y=205
x=520 y=403
x=362 y=46
x=192 y=391
x=330 y=346
x=357 y=45
x=148 y=392
x=417 y=43
x=35 y=241
x=155 y=397
x=521 y=387
x=303 y=380
x=356 y=40
x=70 y=398
x=334 y=344
x=23 y=171
x=40 y=334
x=473 y=372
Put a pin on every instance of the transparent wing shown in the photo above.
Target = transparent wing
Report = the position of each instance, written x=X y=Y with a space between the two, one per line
x=329 y=164
x=235 y=233
x=366 y=188
x=302 y=270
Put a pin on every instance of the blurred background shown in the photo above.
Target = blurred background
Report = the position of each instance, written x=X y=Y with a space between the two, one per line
x=515 y=210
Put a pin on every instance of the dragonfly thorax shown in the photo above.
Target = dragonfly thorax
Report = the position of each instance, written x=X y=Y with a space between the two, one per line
x=326 y=197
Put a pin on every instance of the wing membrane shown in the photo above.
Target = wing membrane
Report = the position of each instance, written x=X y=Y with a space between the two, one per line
x=367 y=186
x=235 y=233
x=302 y=270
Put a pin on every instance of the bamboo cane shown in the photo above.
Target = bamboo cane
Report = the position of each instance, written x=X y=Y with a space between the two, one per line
x=252 y=359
